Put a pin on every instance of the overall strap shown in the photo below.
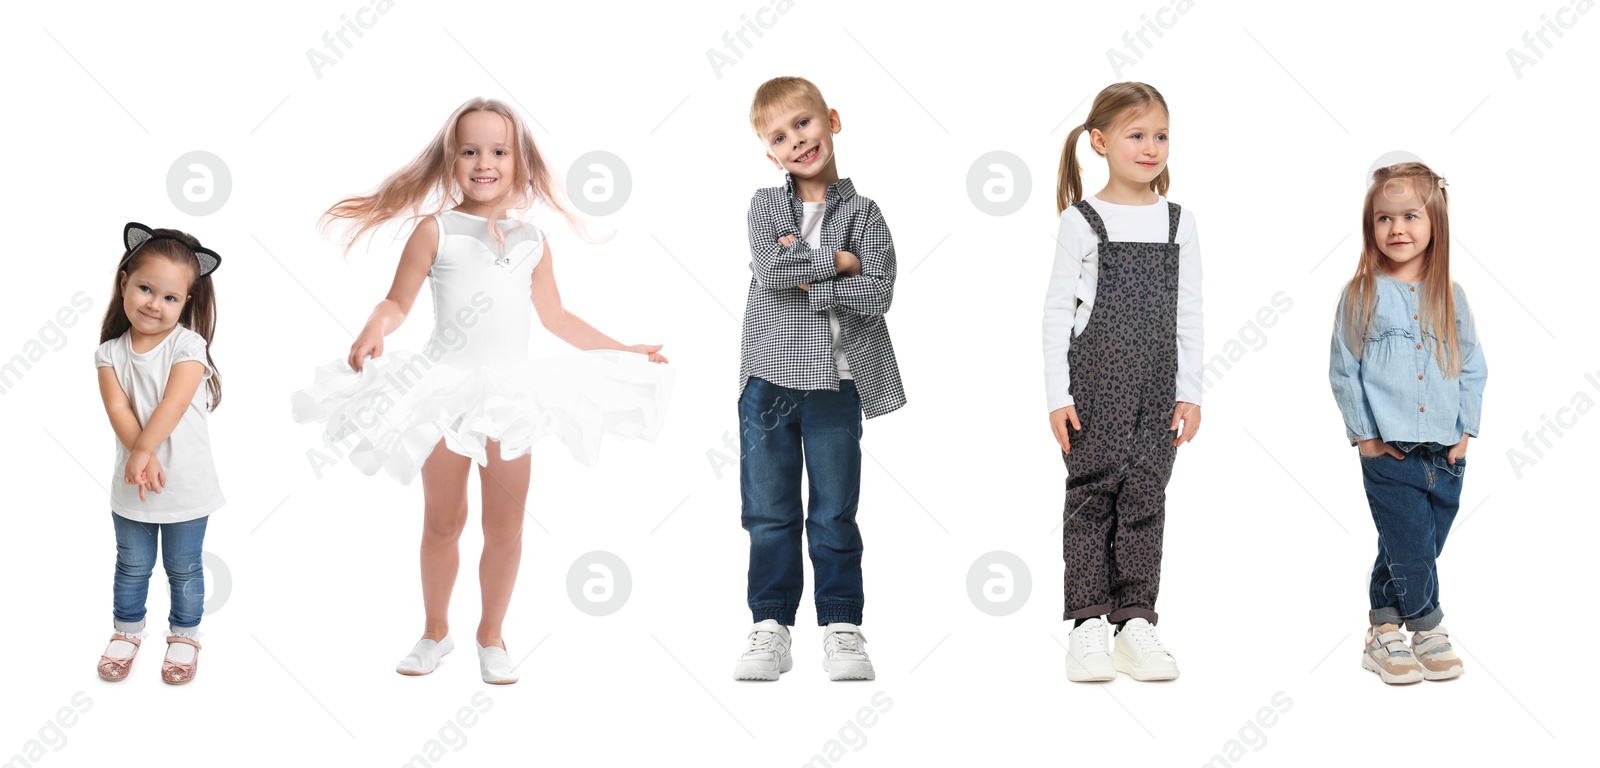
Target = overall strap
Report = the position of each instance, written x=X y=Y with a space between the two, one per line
x=1093 y=217
x=1173 y=213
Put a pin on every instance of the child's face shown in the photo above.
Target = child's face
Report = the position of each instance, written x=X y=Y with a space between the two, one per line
x=1136 y=149
x=1400 y=222
x=799 y=138
x=485 y=168
x=154 y=294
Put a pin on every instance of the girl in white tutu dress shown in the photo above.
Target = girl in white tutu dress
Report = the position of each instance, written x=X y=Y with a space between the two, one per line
x=437 y=411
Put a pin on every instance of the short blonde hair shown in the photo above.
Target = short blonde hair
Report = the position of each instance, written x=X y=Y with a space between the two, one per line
x=781 y=91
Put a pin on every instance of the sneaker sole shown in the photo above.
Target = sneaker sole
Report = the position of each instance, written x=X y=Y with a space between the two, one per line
x=760 y=671
x=1368 y=664
x=1078 y=672
x=1448 y=674
x=851 y=671
x=1126 y=666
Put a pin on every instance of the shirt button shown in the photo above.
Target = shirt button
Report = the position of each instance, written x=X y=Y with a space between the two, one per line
x=1423 y=410
x=1413 y=317
x=1413 y=289
x=1419 y=377
x=1419 y=346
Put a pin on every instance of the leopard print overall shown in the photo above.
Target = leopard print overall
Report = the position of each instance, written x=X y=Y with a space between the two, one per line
x=1124 y=384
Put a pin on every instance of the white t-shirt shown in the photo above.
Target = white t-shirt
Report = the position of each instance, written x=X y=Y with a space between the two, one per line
x=811 y=232
x=1070 y=297
x=192 y=490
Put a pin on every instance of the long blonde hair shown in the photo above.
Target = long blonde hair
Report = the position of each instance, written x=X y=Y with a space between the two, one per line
x=1107 y=110
x=427 y=184
x=1438 y=293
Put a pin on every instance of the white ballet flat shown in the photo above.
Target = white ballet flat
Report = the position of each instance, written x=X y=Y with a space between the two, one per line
x=424 y=658
x=495 y=664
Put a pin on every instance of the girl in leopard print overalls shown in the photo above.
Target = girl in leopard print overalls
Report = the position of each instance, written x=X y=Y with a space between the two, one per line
x=1122 y=349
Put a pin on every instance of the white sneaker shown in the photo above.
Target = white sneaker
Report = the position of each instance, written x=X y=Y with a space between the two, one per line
x=1140 y=654
x=844 y=654
x=495 y=665
x=768 y=653
x=1087 y=658
x=424 y=658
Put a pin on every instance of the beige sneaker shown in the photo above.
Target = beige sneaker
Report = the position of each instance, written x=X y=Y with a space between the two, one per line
x=1387 y=655
x=1431 y=648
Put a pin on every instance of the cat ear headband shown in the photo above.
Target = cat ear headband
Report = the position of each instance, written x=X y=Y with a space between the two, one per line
x=135 y=235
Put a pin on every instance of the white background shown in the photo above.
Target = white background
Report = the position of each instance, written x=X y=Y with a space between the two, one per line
x=1277 y=114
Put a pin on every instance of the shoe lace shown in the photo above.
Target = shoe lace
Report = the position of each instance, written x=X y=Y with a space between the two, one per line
x=1092 y=640
x=845 y=642
x=1145 y=637
x=760 y=642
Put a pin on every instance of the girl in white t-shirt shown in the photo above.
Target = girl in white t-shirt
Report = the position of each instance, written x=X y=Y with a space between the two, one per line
x=151 y=360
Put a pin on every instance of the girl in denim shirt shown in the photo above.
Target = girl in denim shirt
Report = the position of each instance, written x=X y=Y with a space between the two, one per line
x=1408 y=374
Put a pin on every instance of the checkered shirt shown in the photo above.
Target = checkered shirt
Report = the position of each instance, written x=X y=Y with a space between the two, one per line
x=786 y=339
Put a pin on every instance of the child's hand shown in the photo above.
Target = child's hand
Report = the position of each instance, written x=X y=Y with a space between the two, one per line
x=804 y=287
x=1058 y=425
x=1459 y=449
x=155 y=476
x=653 y=350
x=786 y=240
x=846 y=263
x=134 y=472
x=369 y=343
x=1375 y=446
x=1189 y=414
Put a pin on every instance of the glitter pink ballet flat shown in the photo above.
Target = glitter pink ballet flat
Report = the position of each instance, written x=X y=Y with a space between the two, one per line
x=178 y=673
x=115 y=669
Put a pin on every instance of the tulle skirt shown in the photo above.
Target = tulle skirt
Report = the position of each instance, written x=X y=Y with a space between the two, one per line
x=390 y=415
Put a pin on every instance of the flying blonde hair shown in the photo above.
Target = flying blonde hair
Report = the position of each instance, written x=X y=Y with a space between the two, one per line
x=1438 y=293
x=427 y=185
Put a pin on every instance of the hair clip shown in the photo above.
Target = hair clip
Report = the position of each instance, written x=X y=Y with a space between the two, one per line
x=135 y=235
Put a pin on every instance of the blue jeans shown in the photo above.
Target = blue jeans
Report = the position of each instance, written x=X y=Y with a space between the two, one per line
x=136 y=559
x=1414 y=501
x=781 y=431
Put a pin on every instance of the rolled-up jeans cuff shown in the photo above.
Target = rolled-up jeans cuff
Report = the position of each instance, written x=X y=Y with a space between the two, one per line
x=128 y=627
x=1381 y=616
x=1433 y=619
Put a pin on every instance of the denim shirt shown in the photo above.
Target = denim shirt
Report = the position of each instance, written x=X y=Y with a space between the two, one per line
x=1396 y=390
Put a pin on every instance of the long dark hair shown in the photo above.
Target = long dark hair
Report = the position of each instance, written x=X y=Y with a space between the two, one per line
x=199 y=312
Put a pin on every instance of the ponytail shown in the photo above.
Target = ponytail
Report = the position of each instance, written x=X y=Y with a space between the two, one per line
x=1108 y=106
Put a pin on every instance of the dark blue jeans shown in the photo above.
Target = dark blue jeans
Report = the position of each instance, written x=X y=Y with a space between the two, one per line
x=781 y=431
x=1414 y=501
x=136 y=559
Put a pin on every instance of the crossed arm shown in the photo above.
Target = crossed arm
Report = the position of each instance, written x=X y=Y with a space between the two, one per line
x=861 y=283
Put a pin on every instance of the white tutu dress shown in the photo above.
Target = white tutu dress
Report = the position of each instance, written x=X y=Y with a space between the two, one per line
x=474 y=381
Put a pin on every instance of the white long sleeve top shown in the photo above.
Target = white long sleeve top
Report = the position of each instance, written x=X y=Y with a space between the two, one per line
x=1069 y=299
